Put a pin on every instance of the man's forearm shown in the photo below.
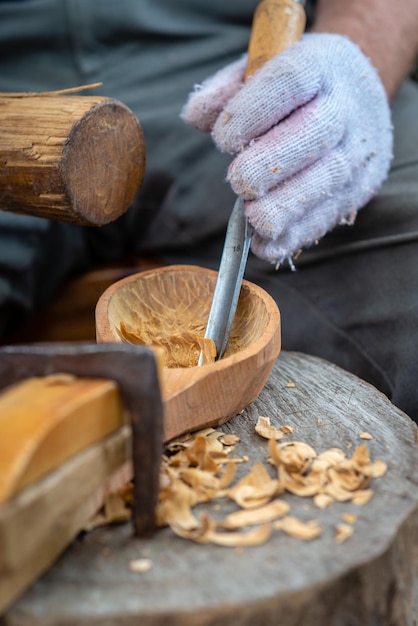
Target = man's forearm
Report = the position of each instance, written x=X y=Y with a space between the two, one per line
x=385 y=30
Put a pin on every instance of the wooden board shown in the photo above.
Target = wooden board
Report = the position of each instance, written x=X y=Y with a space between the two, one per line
x=44 y=421
x=366 y=580
x=37 y=525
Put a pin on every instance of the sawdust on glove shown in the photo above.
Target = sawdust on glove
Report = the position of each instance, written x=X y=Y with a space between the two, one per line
x=312 y=137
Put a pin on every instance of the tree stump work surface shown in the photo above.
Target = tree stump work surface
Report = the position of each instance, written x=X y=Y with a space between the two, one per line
x=367 y=580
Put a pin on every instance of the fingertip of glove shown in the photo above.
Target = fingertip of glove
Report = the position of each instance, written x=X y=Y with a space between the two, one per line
x=197 y=112
x=208 y=99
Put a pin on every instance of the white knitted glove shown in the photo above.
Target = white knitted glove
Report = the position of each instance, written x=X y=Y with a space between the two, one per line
x=313 y=137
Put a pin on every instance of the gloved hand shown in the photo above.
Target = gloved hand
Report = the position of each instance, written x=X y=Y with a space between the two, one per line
x=312 y=135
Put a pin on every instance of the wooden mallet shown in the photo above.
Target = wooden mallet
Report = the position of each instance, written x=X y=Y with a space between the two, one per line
x=71 y=158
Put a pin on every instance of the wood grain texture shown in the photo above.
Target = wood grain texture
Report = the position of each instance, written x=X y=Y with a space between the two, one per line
x=277 y=24
x=169 y=299
x=367 y=580
x=38 y=524
x=46 y=420
x=72 y=158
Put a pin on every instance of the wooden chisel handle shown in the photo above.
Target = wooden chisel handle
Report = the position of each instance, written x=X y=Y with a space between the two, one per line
x=277 y=24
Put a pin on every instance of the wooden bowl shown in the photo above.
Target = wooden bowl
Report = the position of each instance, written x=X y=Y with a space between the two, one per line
x=170 y=304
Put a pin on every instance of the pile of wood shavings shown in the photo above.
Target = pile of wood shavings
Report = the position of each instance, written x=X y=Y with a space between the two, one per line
x=200 y=468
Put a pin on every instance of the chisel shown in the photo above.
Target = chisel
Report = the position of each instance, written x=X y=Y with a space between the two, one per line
x=276 y=25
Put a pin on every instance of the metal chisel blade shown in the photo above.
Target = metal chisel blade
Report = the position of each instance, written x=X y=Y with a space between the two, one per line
x=229 y=281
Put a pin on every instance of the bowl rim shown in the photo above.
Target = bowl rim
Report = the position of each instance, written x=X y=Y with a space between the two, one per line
x=271 y=328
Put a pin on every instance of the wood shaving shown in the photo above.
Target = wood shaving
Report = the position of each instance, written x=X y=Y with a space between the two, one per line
x=322 y=500
x=362 y=497
x=286 y=429
x=250 y=517
x=266 y=430
x=327 y=477
x=298 y=529
x=115 y=510
x=293 y=456
x=343 y=532
x=255 y=489
x=140 y=566
x=228 y=440
x=199 y=468
x=207 y=533
x=365 y=436
x=176 y=503
x=253 y=537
